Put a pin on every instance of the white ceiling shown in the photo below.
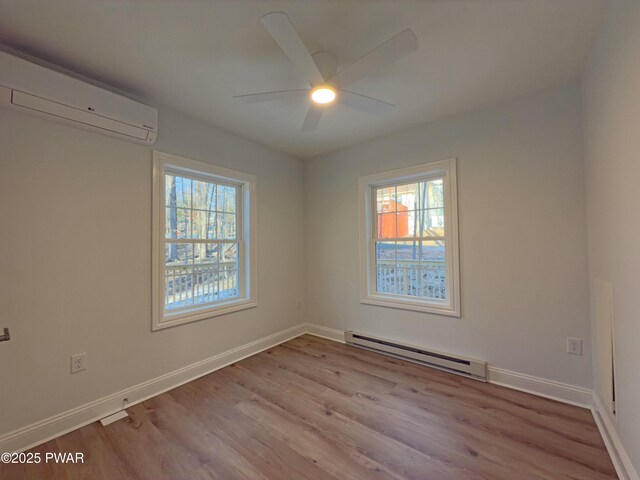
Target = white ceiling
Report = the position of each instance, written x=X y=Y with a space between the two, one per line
x=195 y=55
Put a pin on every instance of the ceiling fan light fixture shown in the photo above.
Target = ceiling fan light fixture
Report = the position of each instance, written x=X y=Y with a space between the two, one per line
x=323 y=94
x=320 y=68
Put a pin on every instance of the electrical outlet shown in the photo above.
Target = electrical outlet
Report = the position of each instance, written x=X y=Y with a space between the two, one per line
x=78 y=362
x=574 y=345
x=299 y=303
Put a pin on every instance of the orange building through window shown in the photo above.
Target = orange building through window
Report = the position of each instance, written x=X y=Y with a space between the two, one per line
x=388 y=224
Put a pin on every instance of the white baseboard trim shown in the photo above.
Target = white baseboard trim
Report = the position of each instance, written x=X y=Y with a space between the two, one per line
x=561 y=392
x=57 y=425
x=325 y=332
x=617 y=452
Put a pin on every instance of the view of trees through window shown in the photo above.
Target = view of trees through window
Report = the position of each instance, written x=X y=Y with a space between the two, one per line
x=410 y=239
x=201 y=241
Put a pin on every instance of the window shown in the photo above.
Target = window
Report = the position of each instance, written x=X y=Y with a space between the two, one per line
x=409 y=239
x=204 y=240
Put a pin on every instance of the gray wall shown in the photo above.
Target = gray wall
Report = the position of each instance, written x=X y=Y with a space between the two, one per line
x=75 y=214
x=75 y=263
x=522 y=236
x=611 y=93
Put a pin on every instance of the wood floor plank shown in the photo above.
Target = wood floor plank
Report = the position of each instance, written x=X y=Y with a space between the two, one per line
x=491 y=420
x=104 y=461
x=250 y=438
x=436 y=443
x=314 y=409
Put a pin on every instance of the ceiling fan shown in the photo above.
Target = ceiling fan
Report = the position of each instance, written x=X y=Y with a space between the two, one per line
x=326 y=84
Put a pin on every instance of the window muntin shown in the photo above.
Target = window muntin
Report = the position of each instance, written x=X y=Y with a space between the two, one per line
x=409 y=244
x=204 y=249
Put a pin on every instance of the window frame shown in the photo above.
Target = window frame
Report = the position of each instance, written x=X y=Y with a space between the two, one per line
x=245 y=237
x=367 y=186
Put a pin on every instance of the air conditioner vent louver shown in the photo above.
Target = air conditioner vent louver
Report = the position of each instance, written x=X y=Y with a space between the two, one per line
x=468 y=367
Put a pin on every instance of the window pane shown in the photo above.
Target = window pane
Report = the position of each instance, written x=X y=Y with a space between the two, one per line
x=412 y=268
x=205 y=272
x=178 y=191
x=385 y=197
x=229 y=252
x=421 y=223
x=407 y=197
x=178 y=282
x=435 y=193
x=177 y=223
x=170 y=223
x=204 y=224
x=430 y=222
x=228 y=276
x=420 y=270
x=386 y=267
x=204 y=195
x=178 y=254
x=226 y=225
x=212 y=225
x=408 y=268
x=425 y=223
x=178 y=275
x=410 y=210
x=206 y=253
x=386 y=225
x=183 y=225
x=432 y=270
x=226 y=198
x=407 y=224
x=205 y=290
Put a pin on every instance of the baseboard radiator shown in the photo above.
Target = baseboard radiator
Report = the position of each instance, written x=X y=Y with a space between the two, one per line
x=465 y=366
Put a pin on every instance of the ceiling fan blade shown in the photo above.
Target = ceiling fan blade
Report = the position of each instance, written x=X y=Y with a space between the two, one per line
x=312 y=119
x=269 y=96
x=286 y=36
x=390 y=51
x=364 y=103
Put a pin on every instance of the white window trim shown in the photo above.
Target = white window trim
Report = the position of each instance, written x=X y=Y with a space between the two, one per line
x=367 y=257
x=248 y=260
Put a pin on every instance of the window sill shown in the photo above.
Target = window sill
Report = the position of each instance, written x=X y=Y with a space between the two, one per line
x=183 y=317
x=417 y=306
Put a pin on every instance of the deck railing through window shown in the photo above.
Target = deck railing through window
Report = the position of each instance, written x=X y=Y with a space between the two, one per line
x=187 y=285
x=411 y=278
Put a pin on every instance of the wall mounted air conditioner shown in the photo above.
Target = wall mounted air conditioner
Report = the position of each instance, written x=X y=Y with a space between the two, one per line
x=46 y=93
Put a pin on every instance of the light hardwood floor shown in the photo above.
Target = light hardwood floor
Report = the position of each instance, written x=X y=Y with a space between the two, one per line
x=315 y=409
